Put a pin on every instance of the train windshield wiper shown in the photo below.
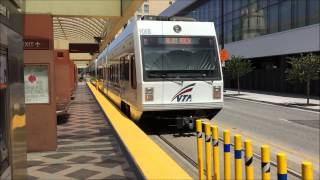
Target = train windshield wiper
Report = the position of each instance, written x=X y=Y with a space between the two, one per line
x=198 y=76
x=164 y=77
x=154 y=75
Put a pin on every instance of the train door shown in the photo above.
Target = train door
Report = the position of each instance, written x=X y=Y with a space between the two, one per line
x=133 y=73
x=132 y=86
x=124 y=75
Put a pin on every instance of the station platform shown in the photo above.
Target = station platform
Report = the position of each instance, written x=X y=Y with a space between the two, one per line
x=87 y=146
x=99 y=142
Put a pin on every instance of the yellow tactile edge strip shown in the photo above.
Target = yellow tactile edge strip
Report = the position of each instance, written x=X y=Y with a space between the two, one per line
x=150 y=159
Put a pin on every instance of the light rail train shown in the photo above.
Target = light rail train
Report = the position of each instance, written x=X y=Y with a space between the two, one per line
x=164 y=68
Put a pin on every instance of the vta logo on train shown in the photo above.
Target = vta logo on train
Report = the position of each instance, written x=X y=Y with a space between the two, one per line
x=184 y=94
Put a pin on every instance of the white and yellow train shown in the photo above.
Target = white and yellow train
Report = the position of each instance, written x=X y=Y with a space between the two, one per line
x=164 y=68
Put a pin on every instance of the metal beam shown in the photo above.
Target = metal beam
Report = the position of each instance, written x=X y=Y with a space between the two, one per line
x=93 y=8
x=129 y=8
x=79 y=27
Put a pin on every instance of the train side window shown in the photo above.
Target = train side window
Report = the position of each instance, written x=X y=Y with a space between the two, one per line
x=126 y=71
x=125 y=65
x=112 y=73
x=133 y=73
x=108 y=73
x=105 y=73
x=117 y=72
x=122 y=68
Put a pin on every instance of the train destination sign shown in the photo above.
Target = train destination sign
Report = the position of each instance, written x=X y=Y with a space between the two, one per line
x=36 y=84
x=202 y=41
x=36 y=44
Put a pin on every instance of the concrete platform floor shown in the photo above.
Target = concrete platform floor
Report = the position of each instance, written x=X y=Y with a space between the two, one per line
x=87 y=146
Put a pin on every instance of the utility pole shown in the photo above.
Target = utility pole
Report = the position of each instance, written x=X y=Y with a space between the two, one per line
x=222 y=24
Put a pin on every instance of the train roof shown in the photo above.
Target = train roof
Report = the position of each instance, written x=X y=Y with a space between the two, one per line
x=129 y=30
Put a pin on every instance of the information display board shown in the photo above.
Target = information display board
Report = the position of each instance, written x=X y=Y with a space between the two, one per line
x=36 y=84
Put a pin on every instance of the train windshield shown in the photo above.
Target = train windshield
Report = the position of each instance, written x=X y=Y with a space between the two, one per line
x=180 y=58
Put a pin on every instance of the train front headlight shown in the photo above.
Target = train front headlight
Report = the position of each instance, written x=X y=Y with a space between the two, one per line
x=216 y=92
x=148 y=94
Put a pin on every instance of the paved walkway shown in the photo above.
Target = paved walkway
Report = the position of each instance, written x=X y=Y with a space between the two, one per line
x=276 y=98
x=87 y=147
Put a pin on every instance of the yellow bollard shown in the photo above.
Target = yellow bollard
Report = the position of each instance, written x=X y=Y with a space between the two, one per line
x=249 y=159
x=307 y=170
x=199 y=148
x=207 y=132
x=237 y=157
x=282 y=166
x=265 y=162
x=215 y=144
x=226 y=149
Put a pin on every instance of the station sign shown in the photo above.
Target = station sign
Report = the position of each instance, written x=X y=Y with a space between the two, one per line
x=36 y=44
x=83 y=48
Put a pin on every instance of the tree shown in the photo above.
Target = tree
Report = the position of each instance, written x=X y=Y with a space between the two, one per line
x=237 y=67
x=304 y=69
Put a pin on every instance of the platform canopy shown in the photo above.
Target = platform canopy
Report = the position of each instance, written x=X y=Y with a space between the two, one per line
x=85 y=20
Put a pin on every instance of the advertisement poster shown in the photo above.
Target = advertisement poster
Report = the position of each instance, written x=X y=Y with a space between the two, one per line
x=3 y=71
x=36 y=84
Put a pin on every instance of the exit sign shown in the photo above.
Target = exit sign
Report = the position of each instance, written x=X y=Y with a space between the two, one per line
x=36 y=44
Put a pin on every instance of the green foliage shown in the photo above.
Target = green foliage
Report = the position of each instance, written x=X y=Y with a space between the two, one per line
x=304 y=68
x=237 y=67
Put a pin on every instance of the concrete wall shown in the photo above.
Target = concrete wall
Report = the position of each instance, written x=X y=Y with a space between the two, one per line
x=305 y=39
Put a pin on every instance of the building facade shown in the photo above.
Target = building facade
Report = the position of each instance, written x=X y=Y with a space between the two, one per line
x=265 y=31
x=152 y=7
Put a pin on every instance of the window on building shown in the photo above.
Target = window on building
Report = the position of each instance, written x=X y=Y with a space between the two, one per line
x=206 y=12
x=146 y=8
x=314 y=11
x=236 y=12
x=262 y=4
x=273 y=19
x=139 y=10
x=273 y=2
x=244 y=3
x=228 y=6
x=299 y=13
x=228 y=32
x=210 y=11
x=216 y=9
x=236 y=27
x=263 y=20
x=285 y=15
